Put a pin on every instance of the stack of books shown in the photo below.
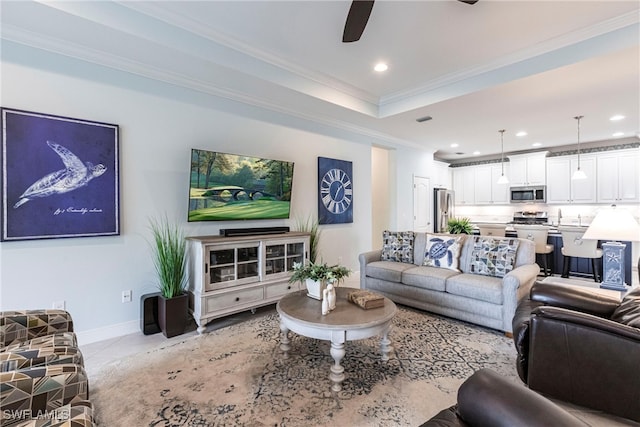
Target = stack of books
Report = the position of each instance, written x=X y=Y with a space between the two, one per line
x=366 y=299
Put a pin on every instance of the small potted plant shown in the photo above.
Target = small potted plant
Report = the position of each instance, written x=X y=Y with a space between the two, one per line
x=169 y=252
x=459 y=226
x=317 y=276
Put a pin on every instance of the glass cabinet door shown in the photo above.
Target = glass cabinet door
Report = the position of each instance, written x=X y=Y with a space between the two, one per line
x=231 y=266
x=295 y=254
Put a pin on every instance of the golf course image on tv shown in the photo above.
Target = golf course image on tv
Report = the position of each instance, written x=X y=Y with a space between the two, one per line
x=230 y=187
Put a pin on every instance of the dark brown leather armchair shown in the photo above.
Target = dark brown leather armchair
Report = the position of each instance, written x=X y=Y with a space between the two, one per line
x=488 y=399
x=581 y=347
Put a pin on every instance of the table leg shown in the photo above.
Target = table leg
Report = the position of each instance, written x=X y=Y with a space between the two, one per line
x=285 y=343
x=337 y=370
x=385 y=345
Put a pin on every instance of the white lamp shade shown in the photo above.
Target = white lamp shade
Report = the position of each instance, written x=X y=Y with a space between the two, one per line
x=503 y=179
x=613 y=223
x=579 y=174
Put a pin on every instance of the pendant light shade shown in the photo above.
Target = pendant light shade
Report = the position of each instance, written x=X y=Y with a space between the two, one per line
x=503 y=178
x=579 y=173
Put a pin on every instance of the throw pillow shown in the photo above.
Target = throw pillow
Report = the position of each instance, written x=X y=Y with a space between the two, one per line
x=493 y=256
x=442 y=251
x=397 y=246
x=628 y=312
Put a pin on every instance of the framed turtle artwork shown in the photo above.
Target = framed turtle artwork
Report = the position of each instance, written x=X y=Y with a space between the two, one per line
x=60 y=177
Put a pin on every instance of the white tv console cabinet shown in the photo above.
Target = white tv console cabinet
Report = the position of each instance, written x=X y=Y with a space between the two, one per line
x=232 y=274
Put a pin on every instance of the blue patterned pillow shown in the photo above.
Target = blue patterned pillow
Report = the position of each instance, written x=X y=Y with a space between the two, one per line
x=493 y=256
x=442 y=251
x=397 y=246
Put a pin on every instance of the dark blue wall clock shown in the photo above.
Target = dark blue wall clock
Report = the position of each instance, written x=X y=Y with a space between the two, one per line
x=335 y=191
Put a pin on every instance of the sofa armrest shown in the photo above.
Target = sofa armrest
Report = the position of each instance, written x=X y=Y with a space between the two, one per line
x=516 y=286
x=574 y=356
x=23 y=325
x=23 y=390
x=365 y=258
x=511 y=404
x=575 y=298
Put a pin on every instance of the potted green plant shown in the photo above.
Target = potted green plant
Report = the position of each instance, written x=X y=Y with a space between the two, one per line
x=317 y=276
x=459 y=226
x=169 y=252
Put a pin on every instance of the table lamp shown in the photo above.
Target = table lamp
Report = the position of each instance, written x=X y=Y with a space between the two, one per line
x=611 y=225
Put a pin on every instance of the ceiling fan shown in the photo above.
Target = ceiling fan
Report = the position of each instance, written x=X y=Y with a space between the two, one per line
x=359 y=15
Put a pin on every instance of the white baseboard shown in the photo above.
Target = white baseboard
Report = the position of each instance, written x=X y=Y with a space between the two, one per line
x=107 y=332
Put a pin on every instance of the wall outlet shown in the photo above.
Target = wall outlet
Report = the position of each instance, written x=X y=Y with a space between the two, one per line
x=339 y=260
x=59 y=305
x=126 y=296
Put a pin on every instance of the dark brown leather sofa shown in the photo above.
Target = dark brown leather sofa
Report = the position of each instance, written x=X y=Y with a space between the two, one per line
x=581 y=347
x=488 y=399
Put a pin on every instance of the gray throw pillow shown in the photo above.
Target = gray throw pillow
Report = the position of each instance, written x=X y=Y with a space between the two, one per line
x=397 y=246
x=628 y=312
x=493 y=256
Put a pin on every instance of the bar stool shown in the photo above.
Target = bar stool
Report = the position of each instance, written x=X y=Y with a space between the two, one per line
x=573 y=245
x=538 y=234
x=496 y=230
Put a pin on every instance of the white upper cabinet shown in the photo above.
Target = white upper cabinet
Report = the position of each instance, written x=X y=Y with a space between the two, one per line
x=463 y=185
x=486 y=187
x=618 y=177
x=562 y=189
x=528 y=169
x=441 y=176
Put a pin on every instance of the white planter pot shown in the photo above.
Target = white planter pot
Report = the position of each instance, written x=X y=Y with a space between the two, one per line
x=314 y=289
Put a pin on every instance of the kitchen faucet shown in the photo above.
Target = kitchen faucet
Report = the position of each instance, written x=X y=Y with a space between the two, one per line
x=559 y=216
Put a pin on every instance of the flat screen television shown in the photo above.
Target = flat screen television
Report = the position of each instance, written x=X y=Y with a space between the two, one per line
x=230 y=187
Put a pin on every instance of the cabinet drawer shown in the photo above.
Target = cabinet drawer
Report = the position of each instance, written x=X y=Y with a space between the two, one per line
x=279 y=289
x=231 y=299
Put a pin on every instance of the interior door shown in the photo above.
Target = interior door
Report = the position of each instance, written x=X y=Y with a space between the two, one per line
x=422 y=204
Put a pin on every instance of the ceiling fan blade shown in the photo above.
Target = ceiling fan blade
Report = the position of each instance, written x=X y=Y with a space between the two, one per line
x=356 y=20
x=469 y=1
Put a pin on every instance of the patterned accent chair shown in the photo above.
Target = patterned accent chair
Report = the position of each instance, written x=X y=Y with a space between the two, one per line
x=42 y=378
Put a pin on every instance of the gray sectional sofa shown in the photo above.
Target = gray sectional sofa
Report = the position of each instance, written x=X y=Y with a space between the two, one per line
x=478 y=279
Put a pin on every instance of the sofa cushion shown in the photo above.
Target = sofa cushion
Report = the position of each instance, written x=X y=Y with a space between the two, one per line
x=628 y=312
x=397 y=246
x=387 y=270
x=493 y=256
x=474 y=286
x=442 y=251
x=433 y=278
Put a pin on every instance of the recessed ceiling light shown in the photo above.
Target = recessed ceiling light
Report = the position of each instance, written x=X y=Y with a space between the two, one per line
x=616 y=117
x=380 y=67
x=454 y=145
x=618 y=134
x=475 y=153
x=521 y=133
x=536 y=144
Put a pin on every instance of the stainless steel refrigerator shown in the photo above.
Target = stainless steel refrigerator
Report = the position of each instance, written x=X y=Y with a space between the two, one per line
x=443 y=209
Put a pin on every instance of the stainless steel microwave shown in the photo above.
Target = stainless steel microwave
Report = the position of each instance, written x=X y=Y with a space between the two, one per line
x=530 y=194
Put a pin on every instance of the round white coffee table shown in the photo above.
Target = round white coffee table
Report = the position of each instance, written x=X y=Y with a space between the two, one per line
x=347 y=322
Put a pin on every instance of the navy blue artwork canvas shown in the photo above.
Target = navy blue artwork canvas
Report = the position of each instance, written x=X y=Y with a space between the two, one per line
x=335 y=191
x=60 y=177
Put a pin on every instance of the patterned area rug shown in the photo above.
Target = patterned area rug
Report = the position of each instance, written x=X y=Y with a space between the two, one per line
x=235 y=376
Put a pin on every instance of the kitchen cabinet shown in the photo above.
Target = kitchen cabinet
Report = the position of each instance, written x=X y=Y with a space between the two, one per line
x=528 y=169
x=464 y=185
x=486 y=187
x=618 y=177
x=441 y=176
x=564 y=190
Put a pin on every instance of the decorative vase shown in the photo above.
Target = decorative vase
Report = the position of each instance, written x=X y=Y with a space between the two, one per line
x=314 y=288
x=172 y=314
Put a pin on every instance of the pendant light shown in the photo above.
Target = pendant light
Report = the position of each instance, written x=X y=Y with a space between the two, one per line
x=579 y=173
x=503 y=178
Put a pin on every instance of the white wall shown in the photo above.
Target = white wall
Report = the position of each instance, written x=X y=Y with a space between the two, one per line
x=159 y=124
